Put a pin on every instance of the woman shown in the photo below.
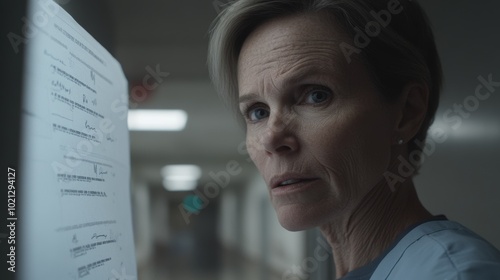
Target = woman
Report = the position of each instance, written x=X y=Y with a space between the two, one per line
x=336 y=97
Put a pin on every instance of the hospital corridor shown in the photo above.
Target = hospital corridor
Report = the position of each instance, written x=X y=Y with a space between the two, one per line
x=199 y=207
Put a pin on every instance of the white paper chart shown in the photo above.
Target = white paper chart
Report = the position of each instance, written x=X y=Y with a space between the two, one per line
x=75 y=164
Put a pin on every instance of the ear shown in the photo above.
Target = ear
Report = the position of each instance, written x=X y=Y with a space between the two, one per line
x=412 y=110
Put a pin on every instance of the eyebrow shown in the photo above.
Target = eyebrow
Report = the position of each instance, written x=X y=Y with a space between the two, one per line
x=247 y=97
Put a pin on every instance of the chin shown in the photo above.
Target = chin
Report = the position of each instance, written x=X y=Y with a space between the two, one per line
x=294 y=219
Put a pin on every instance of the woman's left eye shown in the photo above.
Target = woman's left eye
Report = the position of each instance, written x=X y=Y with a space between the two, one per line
x=317 y=96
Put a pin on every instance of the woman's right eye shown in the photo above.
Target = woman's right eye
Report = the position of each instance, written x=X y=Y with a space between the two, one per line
x=255 y=114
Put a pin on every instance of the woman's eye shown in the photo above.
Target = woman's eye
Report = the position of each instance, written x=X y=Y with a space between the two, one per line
x=317 y=96
x=257 y=114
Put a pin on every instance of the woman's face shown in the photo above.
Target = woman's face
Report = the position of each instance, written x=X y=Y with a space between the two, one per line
x=317 y=129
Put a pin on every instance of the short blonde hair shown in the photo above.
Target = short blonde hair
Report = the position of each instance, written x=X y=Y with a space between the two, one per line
x=404 y=51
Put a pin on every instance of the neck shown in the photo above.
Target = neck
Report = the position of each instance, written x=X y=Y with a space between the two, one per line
x=361 y=235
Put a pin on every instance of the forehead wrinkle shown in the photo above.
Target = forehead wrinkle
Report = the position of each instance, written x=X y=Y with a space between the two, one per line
x=278 y=73
x=301 y=45
x=274 y=59
x=294 y=67
x=289 y=54
x=304 y=42
x=321 y=60
x=306 y=47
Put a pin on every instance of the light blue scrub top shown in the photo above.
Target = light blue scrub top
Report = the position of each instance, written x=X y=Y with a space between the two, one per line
x=438 y=249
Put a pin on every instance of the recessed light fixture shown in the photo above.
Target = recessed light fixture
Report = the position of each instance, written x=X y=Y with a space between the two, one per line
x=157 y=120
x=182 y=177
x=179 y=186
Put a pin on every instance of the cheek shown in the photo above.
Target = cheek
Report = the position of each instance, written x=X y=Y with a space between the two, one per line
x=355 y=150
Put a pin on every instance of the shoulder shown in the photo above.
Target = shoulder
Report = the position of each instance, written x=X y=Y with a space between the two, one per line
x=442 y=250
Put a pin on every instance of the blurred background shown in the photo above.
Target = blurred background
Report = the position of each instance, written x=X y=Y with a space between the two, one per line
x=226 y=227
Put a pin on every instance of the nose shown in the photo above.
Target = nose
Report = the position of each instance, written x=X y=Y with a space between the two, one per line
x=279 y=137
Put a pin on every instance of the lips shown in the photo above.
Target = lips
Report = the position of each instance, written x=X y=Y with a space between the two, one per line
x=289 y=182
x=289 y=179
x=294 y=181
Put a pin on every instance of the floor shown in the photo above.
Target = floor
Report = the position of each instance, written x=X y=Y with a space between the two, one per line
x=209 y=264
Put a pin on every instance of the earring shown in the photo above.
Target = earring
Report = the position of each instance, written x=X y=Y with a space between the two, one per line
x=400 y=141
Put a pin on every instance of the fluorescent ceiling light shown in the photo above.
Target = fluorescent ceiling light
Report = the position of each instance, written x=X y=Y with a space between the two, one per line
x=157 y=120
x=180 y=185
x=181 y=172
x=182 y=177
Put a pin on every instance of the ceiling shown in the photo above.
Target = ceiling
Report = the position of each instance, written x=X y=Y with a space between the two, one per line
x=172 y=35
